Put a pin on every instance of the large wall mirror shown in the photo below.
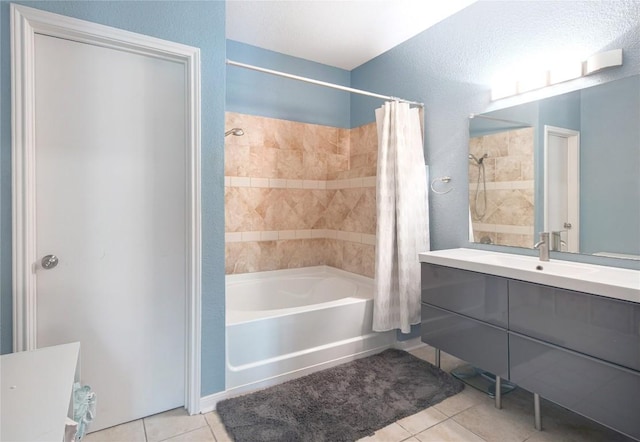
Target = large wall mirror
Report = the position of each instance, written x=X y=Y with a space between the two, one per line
x=568 y=164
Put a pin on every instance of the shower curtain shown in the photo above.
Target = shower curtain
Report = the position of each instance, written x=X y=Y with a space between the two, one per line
x=402 y=217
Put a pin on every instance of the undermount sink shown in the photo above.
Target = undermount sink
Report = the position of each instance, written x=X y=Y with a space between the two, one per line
x=606 y=281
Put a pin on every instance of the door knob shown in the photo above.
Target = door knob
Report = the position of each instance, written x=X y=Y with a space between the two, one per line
x=567 y=225
x=49 y=262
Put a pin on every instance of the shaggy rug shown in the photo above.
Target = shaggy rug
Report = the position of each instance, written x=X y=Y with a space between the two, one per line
x=342 y=403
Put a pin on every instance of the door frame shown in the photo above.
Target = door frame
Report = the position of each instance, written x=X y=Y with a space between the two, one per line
x=25 y=24
x=573 y=179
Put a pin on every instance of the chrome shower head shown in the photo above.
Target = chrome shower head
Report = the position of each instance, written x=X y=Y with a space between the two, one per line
x=236 y=131
x=478 y=160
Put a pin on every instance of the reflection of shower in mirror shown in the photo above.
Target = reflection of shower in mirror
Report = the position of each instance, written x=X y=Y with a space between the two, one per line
x=479 y=214
x=236 y=132
x=478 y=160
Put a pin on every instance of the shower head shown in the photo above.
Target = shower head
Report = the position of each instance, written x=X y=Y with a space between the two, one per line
x=236 y=131
x=478 y=160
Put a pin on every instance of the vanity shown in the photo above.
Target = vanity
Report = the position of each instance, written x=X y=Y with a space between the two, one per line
x=568 y=332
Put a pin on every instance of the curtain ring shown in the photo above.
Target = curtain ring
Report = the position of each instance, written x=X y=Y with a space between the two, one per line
x=444 y=179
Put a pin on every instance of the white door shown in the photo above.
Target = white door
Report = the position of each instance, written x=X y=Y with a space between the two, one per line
x=562 y=187
x=111 y=198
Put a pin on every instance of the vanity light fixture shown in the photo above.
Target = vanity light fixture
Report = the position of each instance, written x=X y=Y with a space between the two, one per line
x=603 y=60
x=559 y=74
x=565 y=72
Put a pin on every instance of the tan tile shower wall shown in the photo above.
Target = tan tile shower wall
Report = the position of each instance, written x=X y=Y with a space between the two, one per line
x=299 y=195
x=509 y=216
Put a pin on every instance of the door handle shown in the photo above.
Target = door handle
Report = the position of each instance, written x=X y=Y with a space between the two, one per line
x=49 y=262
x=567 y=225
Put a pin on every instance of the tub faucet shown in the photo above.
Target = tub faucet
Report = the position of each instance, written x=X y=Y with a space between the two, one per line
x=543 y=246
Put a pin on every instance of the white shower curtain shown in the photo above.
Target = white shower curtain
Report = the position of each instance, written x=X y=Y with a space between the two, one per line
x=403 y=222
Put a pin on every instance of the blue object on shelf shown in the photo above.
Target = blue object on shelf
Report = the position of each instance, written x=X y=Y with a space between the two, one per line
x=84 y=407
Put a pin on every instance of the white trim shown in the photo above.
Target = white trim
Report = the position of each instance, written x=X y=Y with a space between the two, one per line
x=209 y=403
x=25 y=23
x=410 y=344
x=573 y=180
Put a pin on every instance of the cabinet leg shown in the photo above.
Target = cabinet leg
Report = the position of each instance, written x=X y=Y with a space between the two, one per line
x=438 y=357
x=536 y=412
x=498 y=392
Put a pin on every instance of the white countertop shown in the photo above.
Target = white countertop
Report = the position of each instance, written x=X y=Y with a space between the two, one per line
x=611 y=282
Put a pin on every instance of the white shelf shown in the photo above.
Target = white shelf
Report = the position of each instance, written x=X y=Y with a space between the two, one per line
x=35 y=390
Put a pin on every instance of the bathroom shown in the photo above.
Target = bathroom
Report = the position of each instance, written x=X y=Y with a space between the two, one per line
x=450 y=67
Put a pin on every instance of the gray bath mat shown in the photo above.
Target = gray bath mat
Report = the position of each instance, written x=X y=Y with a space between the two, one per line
x=343 y=403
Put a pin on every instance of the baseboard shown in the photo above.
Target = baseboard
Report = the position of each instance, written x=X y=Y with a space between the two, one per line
x=409 y=344
x=208 y=403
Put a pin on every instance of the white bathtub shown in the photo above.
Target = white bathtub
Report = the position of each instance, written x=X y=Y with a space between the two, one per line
x=287 y=323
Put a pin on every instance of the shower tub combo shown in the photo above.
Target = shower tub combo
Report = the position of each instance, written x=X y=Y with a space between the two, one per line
x=287 y=323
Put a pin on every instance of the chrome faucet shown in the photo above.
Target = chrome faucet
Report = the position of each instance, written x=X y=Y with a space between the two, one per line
x=543 y=246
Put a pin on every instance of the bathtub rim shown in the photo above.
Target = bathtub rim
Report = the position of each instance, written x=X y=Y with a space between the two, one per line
x=237 y=317
x=299 y=271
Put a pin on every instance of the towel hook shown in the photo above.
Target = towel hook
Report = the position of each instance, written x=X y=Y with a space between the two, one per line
x=444 y=179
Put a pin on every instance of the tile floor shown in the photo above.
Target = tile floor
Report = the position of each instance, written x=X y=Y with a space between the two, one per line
x=469 y=416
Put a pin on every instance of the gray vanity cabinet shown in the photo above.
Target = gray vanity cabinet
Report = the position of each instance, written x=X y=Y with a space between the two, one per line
x=471 y=294
x=599 y=390
x=605 y=328
x=465 y=314
x=579 y=350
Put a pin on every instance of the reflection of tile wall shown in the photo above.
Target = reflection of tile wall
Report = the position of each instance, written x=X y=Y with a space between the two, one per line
x=509 y=215
x=298 y=195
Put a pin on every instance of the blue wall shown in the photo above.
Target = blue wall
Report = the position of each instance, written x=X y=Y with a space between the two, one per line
x=200 y=24
x=257 y=93
x=610 y=168
x=451 y=66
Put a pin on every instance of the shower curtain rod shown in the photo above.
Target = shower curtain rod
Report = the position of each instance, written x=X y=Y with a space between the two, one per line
x=321 y=83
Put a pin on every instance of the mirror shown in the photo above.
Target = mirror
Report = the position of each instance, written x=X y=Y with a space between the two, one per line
x=568 y=164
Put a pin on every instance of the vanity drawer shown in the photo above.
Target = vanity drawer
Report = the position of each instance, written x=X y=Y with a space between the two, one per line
x=601 y=391
x=477 y=343
x=471 y=294
x=605 y=328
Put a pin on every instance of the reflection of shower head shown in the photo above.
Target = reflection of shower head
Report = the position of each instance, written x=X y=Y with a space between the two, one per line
x=478 y=160
x=236 y=131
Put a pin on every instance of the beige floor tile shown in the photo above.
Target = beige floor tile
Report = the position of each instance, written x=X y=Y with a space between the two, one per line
x=447 y=361
x=203 y=434
x=448 y=431
x=171 y=423
x=221 y=433
x=467 y=398
x=390 y=433
x=562 y=425
x=509 y=424
x=411 y=439
x=424 y=352
x=129 y=432
x=422 y=420
x=213 y=419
